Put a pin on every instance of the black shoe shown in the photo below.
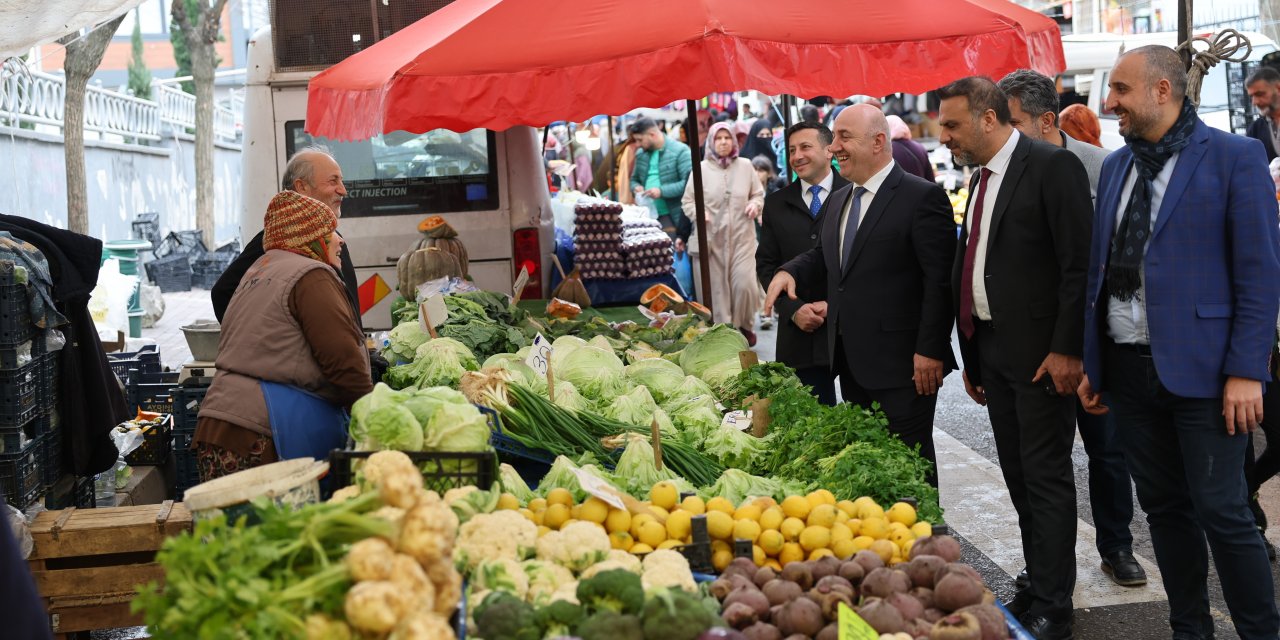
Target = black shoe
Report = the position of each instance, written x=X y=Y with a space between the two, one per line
x=1259 y=516
x=1124 y=569
x=1022 y=581
x=1020 y=604
x=1043 y=628
x=1182 y=635
x=1271 y=548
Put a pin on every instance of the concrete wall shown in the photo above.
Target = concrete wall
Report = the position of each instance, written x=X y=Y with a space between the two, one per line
x=122 y=180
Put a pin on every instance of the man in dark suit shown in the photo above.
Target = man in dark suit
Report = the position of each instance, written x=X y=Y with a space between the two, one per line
x=1019 y=278
x=1264 y=90
x=885 y=254
x=790 y=226
x=1183 y=292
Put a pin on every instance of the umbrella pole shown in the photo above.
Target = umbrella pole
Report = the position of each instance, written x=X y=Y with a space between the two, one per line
x=1184 y=30
x=700 y=220
x=787 y=102
x=613 y=166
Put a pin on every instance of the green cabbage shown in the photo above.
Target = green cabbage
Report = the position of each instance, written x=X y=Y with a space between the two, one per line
x=636 y=471
x=635 y=408
x=695 y=423
x=513 y=484
x=736 y=485
x=735 y=449
x=720 y=343
x=393 y=427
x=457 y=427
x=722 y=376
x=361 y=425
x=436 y=362
x=564 y=345
x=403 y=342
x=521 y=373
x=442 y=418
x=595 y=372
x=691 y=393
x=567 y=397
x=665 y=425
x=424 y=403
x=561 y=476
x=663 y=378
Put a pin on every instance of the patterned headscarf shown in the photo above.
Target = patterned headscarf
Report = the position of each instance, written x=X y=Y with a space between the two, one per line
x=298 y=224
x=725 y=161
x=898 y=129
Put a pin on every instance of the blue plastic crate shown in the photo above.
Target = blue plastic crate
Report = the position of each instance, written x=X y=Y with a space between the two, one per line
x=20 y=478
x=20 y=394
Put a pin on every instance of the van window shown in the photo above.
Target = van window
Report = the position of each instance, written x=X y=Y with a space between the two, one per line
x=407 y=173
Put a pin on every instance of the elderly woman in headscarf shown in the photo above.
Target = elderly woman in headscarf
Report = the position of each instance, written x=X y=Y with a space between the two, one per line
x=291 y=359
x=909 y=154
x=734 y=199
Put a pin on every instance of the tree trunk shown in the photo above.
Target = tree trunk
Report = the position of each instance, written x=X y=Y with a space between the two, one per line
x=82 y=59
x=201 y=31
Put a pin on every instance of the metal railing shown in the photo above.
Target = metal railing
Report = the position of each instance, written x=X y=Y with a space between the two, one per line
x=36 y=98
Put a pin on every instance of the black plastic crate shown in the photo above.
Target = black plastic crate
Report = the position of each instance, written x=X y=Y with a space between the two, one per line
x=48 y=397
x=85 y=493
x=20 y=394
x=441 y=471
x=171 y=273
x=14 y=439
x=61 y=494
x=51 y=456
x=184 y=243
x=20 y=478
x=15 y=315
x=186 y=474
x=156 y=445
x=19 y=355
x=146 y=226
x=153 y=397
x=186 y=407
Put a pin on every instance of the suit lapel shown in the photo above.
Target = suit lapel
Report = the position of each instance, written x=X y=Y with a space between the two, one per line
x=1183 y=172
x=831 y=228
x=867 y=225
x=795 y=198
x=1008 y=183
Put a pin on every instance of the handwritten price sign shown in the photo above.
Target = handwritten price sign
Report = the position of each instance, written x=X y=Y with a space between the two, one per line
x=539 y=358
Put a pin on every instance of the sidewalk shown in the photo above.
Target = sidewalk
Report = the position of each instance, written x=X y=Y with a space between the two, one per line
x=180 y=309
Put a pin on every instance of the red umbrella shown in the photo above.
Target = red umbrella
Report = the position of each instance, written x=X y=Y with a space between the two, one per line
x=494 y=64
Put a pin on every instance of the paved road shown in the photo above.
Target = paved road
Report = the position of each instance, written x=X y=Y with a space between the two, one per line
x=978 y=508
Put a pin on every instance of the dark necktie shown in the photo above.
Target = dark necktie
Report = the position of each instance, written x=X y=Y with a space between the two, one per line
x=815 y=203
x=965 y=319
x=851 y=225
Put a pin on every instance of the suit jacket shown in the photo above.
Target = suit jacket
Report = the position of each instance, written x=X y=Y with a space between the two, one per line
x=786 y=231
x=1090 y=156
x=1212 y=269
x=892 y=299
x=1037 y=253
x=674 y=166
x=226 y=285
x=1260 y=131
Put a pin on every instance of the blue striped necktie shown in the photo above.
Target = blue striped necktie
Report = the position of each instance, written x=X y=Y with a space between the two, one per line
x=815 y=203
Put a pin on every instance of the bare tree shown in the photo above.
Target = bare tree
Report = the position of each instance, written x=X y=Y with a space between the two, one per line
x=83 y=56
x=200 y=23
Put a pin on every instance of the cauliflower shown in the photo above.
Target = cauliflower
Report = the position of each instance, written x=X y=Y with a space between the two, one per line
x=448 y=592
x=407 y=574
x=567 y=592
x=345 y=493
x=501 y=534
x=501 y=574
x=667 y=568
x=458 y=493
x=427 y=532
x=607 y=565
x=548 y=546
x=375 y=605
x=394 y=474
x=322 y=627
x=370 y=559
x=423 y=625
x=577 y=546
x=628 y=560
x=544 y=579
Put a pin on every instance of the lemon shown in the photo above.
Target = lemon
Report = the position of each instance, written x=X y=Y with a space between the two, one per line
x=575 y=511
x=895 y=561
x=855 y=525
x=772 y=563
x=771 y=541
x=659 y=513
x=821 y=553
x=823 y=515
x=652 y=533
x=840 y=532
x=542 y=531
x=902 y=512
x=901 y=536
x=757 y=555
x=717 y=545
x=791 y=552
x=720 y=503
x=621 y=540
x=508 y=502
x=719 y=525
x=815 y=538
x=593 y=510
x=847 y=507
x=772 y=518
x=537 y=504
x=748 y=512
x=538 y=516
x=670 y=544
x=637 y=521
x=665 y=495
x=863 y=542
x=694 y=505
x=875 y=527
x=884 y=549
x=844 y=549
x=922 y=529
x=556 y=515
x=641 y=548
x=746 y=530
x=559 y=495
x=617 y=520
x=720 y=559
x=795 y=507
x=791 y=528
x=870 y=510
x=529 y=515
x=861 y=504
x=764 y=502
x=823 y=496
x=906 y=547
x=679 y=524
x=841 y=516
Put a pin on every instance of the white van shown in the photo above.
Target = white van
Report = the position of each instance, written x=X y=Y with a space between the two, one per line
x=490 y=186
x=1090 y=58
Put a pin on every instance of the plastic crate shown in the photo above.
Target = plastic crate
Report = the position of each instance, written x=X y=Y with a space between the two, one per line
x=61 y=494
x=186 y=474
x=186 y=407
x=441 y=470
x=14 y=439
x=49 y=381
x=51 y=454
x=181 y=243
x=20 y=478
x=19 y=394
x=85 y=496
x=15 y=315
x=146 y=359
x=207 y=269
x=152 y=397
x=171 y=273
x=146 y=226
x=156 y=445
x=21 y=354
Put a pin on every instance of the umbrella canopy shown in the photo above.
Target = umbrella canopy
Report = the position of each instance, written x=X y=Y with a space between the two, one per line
x=494 y=64
x=1044 y=38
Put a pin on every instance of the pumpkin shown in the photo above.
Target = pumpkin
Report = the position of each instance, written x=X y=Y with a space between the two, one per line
x=656 y=292
x=439 y=234
x=421 y=265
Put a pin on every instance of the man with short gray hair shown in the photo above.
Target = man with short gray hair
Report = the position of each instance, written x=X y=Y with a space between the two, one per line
x=1033 y=111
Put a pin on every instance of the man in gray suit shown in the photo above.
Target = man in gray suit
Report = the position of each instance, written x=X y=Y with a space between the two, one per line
x=1033 y=109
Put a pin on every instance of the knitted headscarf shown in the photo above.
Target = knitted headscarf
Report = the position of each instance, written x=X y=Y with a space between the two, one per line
x=1081 y=123
x=298 y=224
x=723 y=161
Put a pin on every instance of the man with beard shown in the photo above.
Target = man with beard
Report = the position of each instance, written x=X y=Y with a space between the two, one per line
x=1183 y=292
x=1264 y=90
x=662 y=168
x=1019 y=279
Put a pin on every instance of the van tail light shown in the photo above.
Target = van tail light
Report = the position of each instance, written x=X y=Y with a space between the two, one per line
x=527 y=253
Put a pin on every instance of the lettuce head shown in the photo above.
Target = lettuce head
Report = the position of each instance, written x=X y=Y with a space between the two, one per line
x=718 y=344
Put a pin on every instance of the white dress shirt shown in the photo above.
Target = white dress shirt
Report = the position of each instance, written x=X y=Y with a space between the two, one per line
x=999 y=166
x=872 y=186
x=807 y=195
x=1127 y=320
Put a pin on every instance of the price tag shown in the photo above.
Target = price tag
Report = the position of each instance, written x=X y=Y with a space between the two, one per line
x=853 y=627
x=539 y=358
x=517 y=289
x=737 y=420
x=600 y=489
x=432 y=313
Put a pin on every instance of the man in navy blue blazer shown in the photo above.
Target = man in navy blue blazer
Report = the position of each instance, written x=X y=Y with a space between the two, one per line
x=1184 y=288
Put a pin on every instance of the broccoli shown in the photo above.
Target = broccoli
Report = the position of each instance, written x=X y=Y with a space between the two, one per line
x=672 y=614
x=559 y=618
x=616 y=590
x=502 y=616
x=608 y=625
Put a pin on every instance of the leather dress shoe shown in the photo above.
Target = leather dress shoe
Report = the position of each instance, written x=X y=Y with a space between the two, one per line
x=1043 y=628
x=1124 y=569
x=1179 y=635
x=1023 y=580
x=1020 y=604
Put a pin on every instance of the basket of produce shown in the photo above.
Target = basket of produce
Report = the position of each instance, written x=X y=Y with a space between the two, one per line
x=155 y=430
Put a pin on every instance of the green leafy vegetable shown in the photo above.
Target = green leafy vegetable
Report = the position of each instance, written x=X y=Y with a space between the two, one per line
x=404 y=340
x=663 y=378
x=720 y=343
x=595 y=372
x=436 y=362
x=736 y=449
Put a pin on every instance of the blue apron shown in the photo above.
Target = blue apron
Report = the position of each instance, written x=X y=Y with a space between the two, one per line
x=303 y=424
